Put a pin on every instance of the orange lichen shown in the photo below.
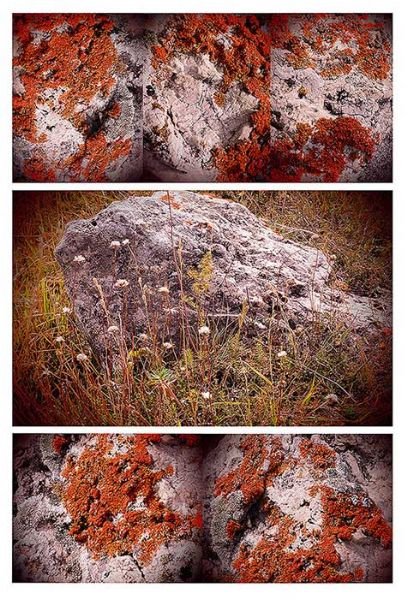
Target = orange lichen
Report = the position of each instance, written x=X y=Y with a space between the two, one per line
x=60 y=443
x=232 y=528
x=190 y=440
x=240 y=45
x=111 y=497
x=366 y=49
x=249 y=476
x=63 y=62
x=345 y=513
x=323 y=149
x=274 y=558
x=322 y=456
x=170 y=200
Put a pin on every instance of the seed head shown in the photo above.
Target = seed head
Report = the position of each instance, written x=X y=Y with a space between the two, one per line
x=204 y=330
x=121 y=283
x=115 y=244
x=82 y=357
x=79 y=259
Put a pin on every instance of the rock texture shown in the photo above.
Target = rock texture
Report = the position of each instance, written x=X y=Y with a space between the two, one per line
x=158 y=265
x=77 y=98
x=202 y=97
x=297 y=508
x=107 y=508
x=331 y=98
x=238 y=508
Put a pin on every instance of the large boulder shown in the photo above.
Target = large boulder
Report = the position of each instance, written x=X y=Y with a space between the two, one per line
x=165 y=265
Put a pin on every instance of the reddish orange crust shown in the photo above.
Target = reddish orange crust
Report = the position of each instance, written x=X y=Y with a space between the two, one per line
x=60 y=443
x=190 y=440
x=100 y=495
x=323 y=149
x=368 y=52
x=322 y=456
x=274 y=559
x=245 y=60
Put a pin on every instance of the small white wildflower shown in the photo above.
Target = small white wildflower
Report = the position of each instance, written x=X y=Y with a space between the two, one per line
x=115 y=244
x=59 y=339
x=121 y=283
x=182 y=368
x=260 y=325
x=80 y=259
x=81 y=357
x=164 y=289
x=143 y=337
x=168 y=345
x=206 y=394
x=113 y=329
x=281 y=354
x=66 y=310
x=125 y=241
x=332 y=397
x=171 y=311
x=204 y=330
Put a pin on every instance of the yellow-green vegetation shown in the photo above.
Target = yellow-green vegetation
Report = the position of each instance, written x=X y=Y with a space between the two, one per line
x=317 y=373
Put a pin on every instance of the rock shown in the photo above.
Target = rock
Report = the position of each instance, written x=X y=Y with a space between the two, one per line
x=107 y=508
x=183 y=508
x=298 y=508
x=161 y=265
x=332 y=91
x=77 y=98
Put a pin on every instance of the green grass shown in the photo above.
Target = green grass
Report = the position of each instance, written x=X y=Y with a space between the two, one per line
x=329 y=375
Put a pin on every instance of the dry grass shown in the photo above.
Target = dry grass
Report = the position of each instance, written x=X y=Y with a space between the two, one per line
x=329 y=376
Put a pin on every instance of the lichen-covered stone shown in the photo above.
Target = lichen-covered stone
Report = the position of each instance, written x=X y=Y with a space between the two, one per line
x=107 y=508
x=77 y=98
x=297 y=508
x=331 y=98
x=154 y=265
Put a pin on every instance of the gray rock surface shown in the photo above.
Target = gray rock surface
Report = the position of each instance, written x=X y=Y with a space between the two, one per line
x=281 y=487
x=45 y=548
x=146 y=265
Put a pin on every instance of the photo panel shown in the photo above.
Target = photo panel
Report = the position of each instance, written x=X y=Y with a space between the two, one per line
x=228 y=308
x=202 y=97
x=202 y=508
